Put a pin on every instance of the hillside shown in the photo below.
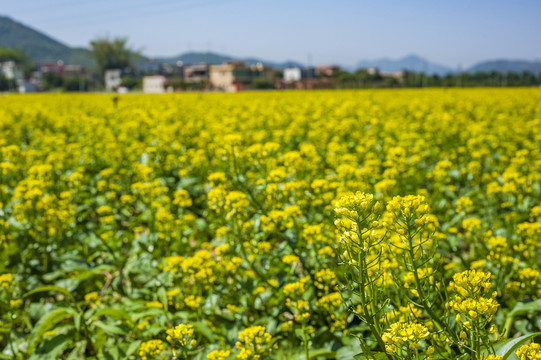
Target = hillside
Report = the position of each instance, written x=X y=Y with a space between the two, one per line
x=410 y=63
x=214 y=58
x=38 y=46
x=504 y=66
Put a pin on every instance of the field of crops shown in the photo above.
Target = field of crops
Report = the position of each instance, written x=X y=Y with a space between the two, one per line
x=388 y=224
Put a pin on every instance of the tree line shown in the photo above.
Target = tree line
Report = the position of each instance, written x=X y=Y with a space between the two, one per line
x=363 y=78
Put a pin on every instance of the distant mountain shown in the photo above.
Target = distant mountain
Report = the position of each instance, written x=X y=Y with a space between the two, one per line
x=411 y=63
x=215 y=59
x=505 y=66
x=40 y=47
x=197 y=58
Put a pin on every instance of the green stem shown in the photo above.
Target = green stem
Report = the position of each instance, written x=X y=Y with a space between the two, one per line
x=10 y=326
x=368 y=317
x=420 y=290
x=305 y=341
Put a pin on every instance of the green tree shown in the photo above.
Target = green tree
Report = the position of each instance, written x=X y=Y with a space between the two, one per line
x=112 y=53
x=131 y=82
x=18 y=56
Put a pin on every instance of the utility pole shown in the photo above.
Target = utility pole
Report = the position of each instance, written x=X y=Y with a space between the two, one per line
x=309 y=72
x=504 y=75
x=424 y=73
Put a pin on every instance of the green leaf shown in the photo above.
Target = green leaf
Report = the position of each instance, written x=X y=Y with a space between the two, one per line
x=78 y=351
x=315 y=354
x=110 y=329
x=162 y=296
x=524 y=308
x=77 y=321
x=53 y=347
x=46 y=323
x=508 y=347
x=133 y=347
x=116 y=314
x=110 y=353
x=520 y=309
x=203 y=329
x=322 y=353
x=348 y=352
x=48 y=288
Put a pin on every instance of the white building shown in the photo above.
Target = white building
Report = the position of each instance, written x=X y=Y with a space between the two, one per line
x=292 y=74
x=113 y=79
x=154 y=84
x=11 y=70
x=24 y=86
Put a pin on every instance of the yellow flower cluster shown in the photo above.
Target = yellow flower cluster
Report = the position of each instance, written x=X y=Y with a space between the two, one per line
x=529 y=352
x=295 y=290
x=471 y=287
x=471 y=283
x=150 y=349
x=254 y=343
x=183 y=335
x=92 y=298
x=492 y=357
x=475 y=308
x=330 y=302
x=6 y=280
x=218 y=355
x=410 y=205
x=193 y=302
x=406 y=335
x=351 y=205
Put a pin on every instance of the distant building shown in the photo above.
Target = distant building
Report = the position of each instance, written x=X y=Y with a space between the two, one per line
x=234 y=76
x=174 y=69
x=399 y=75
x=11 y=70
x=61 y=69
x=52 y=67
x=113 y=79
x=372 y=71
x=327 y=71
x=307 y=84
x=198 y=73
x=154 y=84
x=294 y=74
x=25 y=86
x=36 y=79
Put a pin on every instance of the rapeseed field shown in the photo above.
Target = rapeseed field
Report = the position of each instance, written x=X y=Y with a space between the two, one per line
x=364 y=224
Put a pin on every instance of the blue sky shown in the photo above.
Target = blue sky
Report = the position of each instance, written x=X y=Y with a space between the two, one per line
x=453 y=33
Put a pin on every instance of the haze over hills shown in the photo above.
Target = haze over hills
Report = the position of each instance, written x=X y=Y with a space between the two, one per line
x=214 y=58
x=501 y=65
x=410 y=62
x=43 y=48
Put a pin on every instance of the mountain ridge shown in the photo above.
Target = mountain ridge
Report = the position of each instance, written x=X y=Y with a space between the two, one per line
x=38 y=45
x=409 y=62
x=194 y=57
x=507 y=65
